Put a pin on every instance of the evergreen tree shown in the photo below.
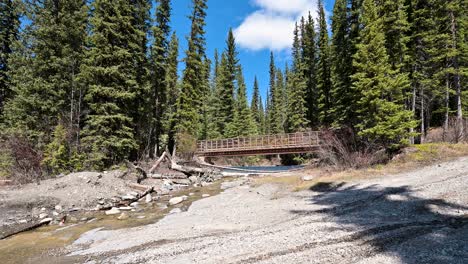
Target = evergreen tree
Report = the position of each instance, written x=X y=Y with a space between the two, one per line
x=9 y=31
x=341 y=49
x=382 y=117
x=172 y=89
x=159 y=53
x=110 y=74
x=44 y=72
x=324 y=84
x=256 y=104
x=190 y=100
x=230 y=67
x=297 y=84
x=274 y=102
x=282 y=102
x=309 y=54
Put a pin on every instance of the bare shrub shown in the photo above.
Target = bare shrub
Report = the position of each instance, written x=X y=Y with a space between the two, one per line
x=339 y=149
x=451 y=135
x=186 y=145
x=25 y=164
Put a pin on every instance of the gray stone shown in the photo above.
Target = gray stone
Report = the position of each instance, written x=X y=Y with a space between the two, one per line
x=123 y=216
x=206 y=195
x=58 y=208
x=148 y=198
x=128 y=197
x=193 y=179
x=135 y=204
x=125 y=208
x=176 y=200
x=46 y=220
x=24 y=221
x=113 y=211
x=43 y=215
x=308 y=178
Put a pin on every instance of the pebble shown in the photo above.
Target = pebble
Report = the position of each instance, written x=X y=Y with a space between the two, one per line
x=123 y=216
x=148 y=198
x=43 y=215
x=46 y=220
x=206 y=195
x=113 y=211
x=176 y=200
x=127 y=208
x=307 y=178
x=58 y=208
x=191 y=194
x=128 y=197
x=135 y=204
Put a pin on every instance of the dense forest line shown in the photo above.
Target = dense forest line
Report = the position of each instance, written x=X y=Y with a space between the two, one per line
x=90 y=84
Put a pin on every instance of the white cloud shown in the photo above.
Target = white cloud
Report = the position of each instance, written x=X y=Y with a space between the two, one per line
x=272 y=25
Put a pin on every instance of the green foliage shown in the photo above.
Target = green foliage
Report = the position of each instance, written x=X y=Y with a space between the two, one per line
x=324 y=84
x=382 y=117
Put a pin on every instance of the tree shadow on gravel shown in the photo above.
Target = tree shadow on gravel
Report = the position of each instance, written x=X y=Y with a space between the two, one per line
x=394 y=221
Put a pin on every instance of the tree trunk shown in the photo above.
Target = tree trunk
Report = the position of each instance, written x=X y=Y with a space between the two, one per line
x=447 y=108
x=459 y=126
x=423 y=117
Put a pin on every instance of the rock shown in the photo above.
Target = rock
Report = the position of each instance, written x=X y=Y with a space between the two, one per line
x=191 y=194
x=135 y=194
x=175 y=211
x=176 y=200
x=135 y=204
x=105 y=172
x=148 y=198
x=84 y=219
x=113 y=211
x=123 y=216
x=141 y=217
x=128 y=197
x=205 y=184
x=54 y=213
x=46 y=220
x=162 y=206
x=43 y=209
x=308 y=178
x=206 y=195
x=182 y=182
x=43 y=215
x=193 y=179
x=164 y=191
x=23 y=221
x=58 y=208
x=73 y=219
x=99 y=176
x=128 y=208
x=185 y=197
x=101 y=202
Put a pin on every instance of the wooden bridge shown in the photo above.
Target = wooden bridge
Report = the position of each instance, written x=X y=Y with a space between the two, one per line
x=294 y=143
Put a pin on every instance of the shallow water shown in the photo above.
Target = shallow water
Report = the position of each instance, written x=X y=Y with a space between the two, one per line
x=48 y=244
x=266 y=168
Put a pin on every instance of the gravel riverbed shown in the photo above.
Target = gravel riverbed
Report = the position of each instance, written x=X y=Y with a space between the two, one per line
x=414 y=217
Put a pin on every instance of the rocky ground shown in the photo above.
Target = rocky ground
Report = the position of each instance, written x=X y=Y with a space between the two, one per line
x=414 y=217
x=63 y=199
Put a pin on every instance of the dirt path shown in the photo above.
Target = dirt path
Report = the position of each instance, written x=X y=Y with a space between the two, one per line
x=416 y=217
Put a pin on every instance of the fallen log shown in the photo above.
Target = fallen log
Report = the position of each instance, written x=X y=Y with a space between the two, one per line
x=155 y=166
x=139 y=187
x=141 y=171
x=167 y=177
x=24 y=228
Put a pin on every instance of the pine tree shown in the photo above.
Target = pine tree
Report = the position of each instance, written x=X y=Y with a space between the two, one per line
x=256 y=104
x=230 y=68
x=190 y=100
x=159 y=53
x=341 y=49
x=111 y=77
x=324 y=83
x=382 y=117
x=274 y=102
x=309 y=54
x=296 y=89
x=9 y=31
x=282 y=102
x=172 y=89
x=44 y=72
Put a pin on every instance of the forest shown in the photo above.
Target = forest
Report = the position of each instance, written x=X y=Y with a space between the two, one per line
x=90 y=84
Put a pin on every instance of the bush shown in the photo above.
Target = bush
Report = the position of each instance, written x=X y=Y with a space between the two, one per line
x=339 y=148
x=186 y=145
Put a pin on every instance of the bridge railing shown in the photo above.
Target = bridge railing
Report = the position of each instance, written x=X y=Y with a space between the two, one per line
x=292 y=140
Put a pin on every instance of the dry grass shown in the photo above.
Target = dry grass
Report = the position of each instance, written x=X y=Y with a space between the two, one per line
x=412 y=158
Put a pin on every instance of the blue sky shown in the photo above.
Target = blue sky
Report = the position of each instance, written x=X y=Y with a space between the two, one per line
x=260 y=26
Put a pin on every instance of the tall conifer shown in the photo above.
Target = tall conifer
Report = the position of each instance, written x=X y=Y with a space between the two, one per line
x=324 y=84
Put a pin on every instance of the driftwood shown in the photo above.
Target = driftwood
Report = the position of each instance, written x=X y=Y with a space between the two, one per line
x=155 y=166
x=139 y=187
x=136 y=199
x=24 y=228
x=167 y=177
x=141 y=171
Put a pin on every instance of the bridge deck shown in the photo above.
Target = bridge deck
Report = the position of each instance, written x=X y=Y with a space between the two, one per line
x=301 y=142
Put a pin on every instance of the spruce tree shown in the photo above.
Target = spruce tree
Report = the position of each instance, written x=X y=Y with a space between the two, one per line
x=230 y=67
x=44 y=72
x=9 y=31
x=382 y=117
x=256 y=104
x=190 y=100
x=111 y=77
x=341 y=48
x=309 y=54
x=159 y=53
x=324 y=84
x=274 y=102
x=296 y=89
x=172 y=89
